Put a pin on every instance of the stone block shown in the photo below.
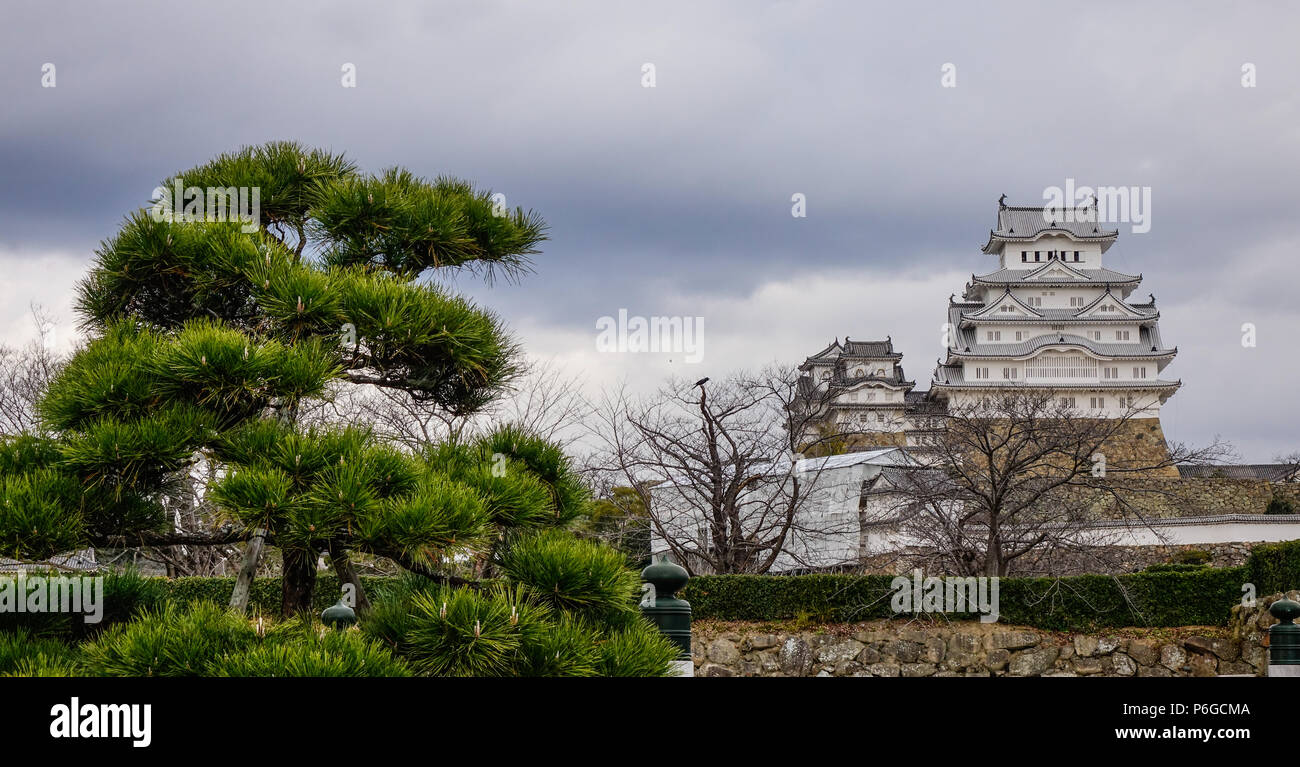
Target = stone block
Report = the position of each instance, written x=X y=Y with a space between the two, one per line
x=997 y=659
x=1012 y=640
x=1086 y=646
x=723 y=651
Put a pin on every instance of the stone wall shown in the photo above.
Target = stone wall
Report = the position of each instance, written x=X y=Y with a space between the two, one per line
x=1104 y=560
x=1140 y=442
x=1205 y=496
x=967 y=648
x=1129 y=559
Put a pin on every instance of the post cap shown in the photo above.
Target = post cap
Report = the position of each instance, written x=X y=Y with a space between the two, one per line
x=338 y=615
x=1285 y=610
x=668 y=578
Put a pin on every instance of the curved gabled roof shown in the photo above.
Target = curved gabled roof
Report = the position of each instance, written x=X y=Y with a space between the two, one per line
x=1027 y=348
x=1022 y=224
x=1039 y=276
x=874 y=350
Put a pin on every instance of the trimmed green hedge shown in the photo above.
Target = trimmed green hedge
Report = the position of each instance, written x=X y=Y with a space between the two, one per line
x=1274 y=567
x=1076 y=603
x=125 y=593
x=1166 y=596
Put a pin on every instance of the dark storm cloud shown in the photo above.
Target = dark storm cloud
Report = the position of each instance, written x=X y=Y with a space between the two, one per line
x=683 y=192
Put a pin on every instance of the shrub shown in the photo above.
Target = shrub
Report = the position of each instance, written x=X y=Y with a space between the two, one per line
x=1274 y=567
x=1279 y=505
x=1168 y=567
x=460 y=632
x=305 y=650
x=1202 y=596
x=1190 y=557
x=504 y=631
x=638 y=650
x=122 y=596
x=23 y=654
x=172 y=641
x=569 y=573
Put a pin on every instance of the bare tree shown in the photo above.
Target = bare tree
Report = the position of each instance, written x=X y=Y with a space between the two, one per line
x=717 y=465
x=544 y=399
x=1291 y=463
x=1023 y=477
x=25 y=373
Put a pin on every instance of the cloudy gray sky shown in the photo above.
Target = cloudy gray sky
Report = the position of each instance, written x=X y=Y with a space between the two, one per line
x=675 y=200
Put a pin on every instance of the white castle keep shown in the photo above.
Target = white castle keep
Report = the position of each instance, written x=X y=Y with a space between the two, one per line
x=1051 y=316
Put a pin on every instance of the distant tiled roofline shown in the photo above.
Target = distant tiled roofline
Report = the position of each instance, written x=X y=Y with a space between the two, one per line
x=1273 y=472
x=858 y=350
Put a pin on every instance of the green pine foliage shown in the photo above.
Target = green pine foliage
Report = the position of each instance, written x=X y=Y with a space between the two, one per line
x=25 y=654
x=296 y=648
x=572 y=574
x=168 y=642
x=509 y=630
x=209 y=335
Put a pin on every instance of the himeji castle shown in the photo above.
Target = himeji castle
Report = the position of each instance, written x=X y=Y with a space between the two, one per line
x=1051 y=315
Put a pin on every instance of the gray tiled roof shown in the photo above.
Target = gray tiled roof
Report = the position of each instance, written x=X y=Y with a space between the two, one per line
x=1061 y=315
x=77 y=560
x=967 y=338
x=1101 y=276
x=1018 y=223
x=855 y=349
x=874 y=349
x=1273 y=472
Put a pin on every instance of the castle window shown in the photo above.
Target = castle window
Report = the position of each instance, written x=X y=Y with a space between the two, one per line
x=1020 y=335
x=1097 y=403
x=1037 y=253
x=1111 y=372
x=1096 y=335
x=1067 y=401
x=1061 y=366
x=1009 y=374
x=871 y=396
x=1076 y=255
x=1121 y=335
x=1024 y=256
x=994 y=335
x=1139 y=372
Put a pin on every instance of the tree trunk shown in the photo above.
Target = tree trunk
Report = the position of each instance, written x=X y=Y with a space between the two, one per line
x=347 y=574
x=298 y=582
x=243 y=584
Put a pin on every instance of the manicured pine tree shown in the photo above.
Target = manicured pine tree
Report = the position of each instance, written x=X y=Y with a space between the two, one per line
x=206 y=341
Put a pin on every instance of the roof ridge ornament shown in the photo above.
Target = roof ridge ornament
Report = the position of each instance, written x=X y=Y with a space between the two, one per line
x=1002 y=202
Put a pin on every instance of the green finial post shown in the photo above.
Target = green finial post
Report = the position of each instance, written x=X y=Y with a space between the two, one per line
x=338 y=615
x=1284 y=639
x=665 y=610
